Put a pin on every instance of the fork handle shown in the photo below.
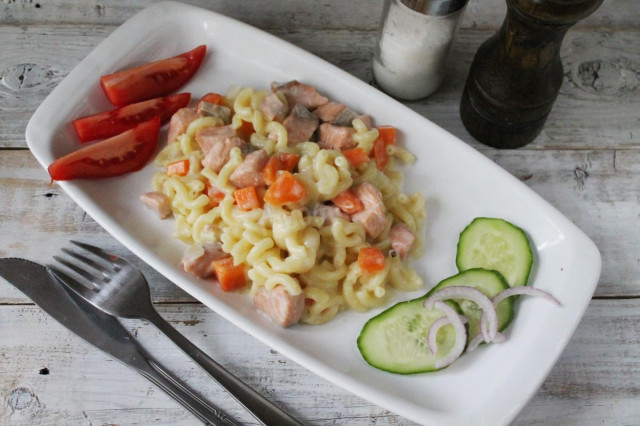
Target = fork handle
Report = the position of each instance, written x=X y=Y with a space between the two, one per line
x=160 y=377
x=263 y=410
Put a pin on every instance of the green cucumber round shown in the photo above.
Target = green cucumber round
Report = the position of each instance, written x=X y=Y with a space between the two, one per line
x=490 y=283
x=396 y=339
x=496 y=244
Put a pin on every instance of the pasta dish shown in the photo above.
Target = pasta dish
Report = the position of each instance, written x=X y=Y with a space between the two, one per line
x=292 y=198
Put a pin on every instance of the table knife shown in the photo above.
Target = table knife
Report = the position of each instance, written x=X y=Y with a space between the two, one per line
x=103 y=331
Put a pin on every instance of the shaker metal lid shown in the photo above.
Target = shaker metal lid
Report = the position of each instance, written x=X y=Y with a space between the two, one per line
x=435 y=7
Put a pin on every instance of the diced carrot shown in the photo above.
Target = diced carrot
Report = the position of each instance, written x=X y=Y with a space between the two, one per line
x=247 y=198
x=356 y=156
x=230 y=277
x=282 y=161
x=246 y=130
x=388 y=134
x=370 y=260
x=271 y=169
x=215 y=195
x=289 y=161
x=380 y=153
x=348 y=202
x=178 y=168
x=286 y=189
x=211 y=98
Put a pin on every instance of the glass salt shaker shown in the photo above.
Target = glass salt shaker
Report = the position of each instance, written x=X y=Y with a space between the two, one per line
x=413 y=43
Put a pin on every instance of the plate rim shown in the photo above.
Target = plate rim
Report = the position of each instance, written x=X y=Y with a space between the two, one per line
x=317 y=367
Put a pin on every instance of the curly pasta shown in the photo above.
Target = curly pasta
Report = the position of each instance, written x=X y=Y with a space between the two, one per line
x=295 y=246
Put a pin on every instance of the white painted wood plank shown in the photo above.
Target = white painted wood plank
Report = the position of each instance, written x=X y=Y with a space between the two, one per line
x=38 y=219
x=84 y=382
x=586 y=162
x=597 y=190
x=329 y=14
x=596 y=380
x=597 y=106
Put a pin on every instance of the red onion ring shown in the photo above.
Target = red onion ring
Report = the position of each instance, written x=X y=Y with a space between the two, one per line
x=514 y=291
x=433 y=331
x=461 y=334
x=470 y=293
x=527 y=291
x=475 y=342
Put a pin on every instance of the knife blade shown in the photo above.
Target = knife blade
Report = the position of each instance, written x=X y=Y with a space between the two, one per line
x=102 y=331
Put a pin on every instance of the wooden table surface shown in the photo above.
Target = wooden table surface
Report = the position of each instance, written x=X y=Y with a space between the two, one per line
x=586 y=163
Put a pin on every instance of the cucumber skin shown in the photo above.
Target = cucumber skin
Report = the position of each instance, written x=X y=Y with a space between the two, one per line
x=503 y=322
x=529 y=252
x=380 y=317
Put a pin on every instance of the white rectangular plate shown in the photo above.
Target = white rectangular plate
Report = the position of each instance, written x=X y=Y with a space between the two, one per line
x=487 y=387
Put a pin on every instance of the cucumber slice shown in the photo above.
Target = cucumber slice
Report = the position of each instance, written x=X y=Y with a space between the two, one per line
x=396 y=340
x=496 y=244
x=489 y=283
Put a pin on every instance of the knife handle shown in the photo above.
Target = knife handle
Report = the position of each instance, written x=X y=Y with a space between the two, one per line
x=163 y=379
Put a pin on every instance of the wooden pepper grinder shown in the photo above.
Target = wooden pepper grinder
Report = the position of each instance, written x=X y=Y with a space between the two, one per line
x=516 y=74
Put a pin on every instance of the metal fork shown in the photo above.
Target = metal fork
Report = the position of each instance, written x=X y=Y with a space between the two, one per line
x=118 y=288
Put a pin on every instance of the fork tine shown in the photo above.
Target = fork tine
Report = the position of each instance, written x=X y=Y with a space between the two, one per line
x=70 y=282
x=78 y=270
x=95 y=250
x=118 y=262
x=105 y=270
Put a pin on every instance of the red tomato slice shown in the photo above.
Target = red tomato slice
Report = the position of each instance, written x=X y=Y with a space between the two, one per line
x=127 y=152
x=116 y=121
x=152 y=80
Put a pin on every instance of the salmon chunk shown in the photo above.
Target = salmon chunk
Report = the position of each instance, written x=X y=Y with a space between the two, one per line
x=366 y=119
x=273 y=108
x=249 y=172
x=335 y=137
x=180 y=121
x=328 y=112
x=300 y=124
x=198 y=259
x=328 y=213
x=207 y=137
x=298 y=93
x=402 y=239
x=345 y=118
x=209 y=109
x=279 y=305
x=157 y=202
x=219 y=153
x=373 y=218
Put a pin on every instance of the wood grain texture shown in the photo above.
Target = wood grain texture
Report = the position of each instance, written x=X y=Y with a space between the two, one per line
x=297 y=14
x=37 y=219
x=593 y=382
x=598 y=190
x=586 y=163
x=597 y=106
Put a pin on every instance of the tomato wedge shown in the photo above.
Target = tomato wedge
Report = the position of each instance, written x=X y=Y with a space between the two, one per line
x=152 y=80
x=110 y=123
x=127 y=152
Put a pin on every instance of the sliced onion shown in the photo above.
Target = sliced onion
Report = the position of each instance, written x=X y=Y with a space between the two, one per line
x=514 y=291
x=433 y=331
x=475 y=342
x=461 y=334
x=500 y=338
x=526 y=291
x=469 y=293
